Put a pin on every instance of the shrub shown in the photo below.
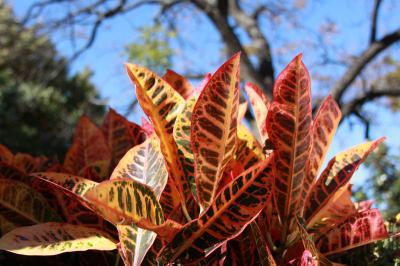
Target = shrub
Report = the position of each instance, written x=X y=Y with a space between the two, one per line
x=194 y=186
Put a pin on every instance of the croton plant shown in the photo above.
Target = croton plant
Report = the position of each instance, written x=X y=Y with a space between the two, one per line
x=194 y=185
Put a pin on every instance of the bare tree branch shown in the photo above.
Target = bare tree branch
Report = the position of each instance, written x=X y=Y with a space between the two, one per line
x=259 y=42
x=374 y=22
x=361 y=62
x=232 y=42
x=373 y=94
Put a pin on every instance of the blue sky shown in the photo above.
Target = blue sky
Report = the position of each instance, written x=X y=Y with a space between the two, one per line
x=202 y=51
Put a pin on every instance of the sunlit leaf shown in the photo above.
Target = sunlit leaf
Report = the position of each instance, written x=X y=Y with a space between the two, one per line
x=233 y=208
x=289 y=129
x=143 y=163
x=75 y=184
x=162 y=104
x=323 y=130
x=362 y=228
x=213 y=129
x=260 y=105
x=334 y=212
x=126 y=201
x=337 y=174
x=54 y=238
x=182 y=139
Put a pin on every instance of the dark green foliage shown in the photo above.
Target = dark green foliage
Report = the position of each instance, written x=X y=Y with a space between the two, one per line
x=40 y=102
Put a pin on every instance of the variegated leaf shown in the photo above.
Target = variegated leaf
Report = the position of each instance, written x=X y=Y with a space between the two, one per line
x=182 y=139
x=26 y=202
x=75 y=184
x=213 y=129
x=323 y=129
x=143 y=163
x=151 y=256
x=121 y=135
x=289 y=128
x=260 y=104
x=233 y=208
x=134 y=243
x=242 y=249
x=179 y=83
x=162 y=104
x=54 y=238
x=309 y=245
x=202 y=84
x=334 y=212
x=264 y=253
x=6 y=155
x=248 y=150
x=337 y=174
x=361 y=229
x=68 y=191
x=89 y=150
x=126 y=202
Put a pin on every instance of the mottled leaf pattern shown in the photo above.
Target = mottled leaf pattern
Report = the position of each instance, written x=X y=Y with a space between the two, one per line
x=362 y=228
x=264 y=252
x=241 y=250
x=89 y=150
x=75 y=184
x=179 y=83
x=126 y=201
x=134 y=243
x=162 y=104
x=182 y=139
x=334 y=212
x=235 y=206
x=248 y=150
x=213 y=129
x=323 y=130
x=121 y=135
x=337 y=173
x=143 y=163
x=309 y=245
x=54 y=238
x=289 y=128
x=26 y=202
x=260 y=104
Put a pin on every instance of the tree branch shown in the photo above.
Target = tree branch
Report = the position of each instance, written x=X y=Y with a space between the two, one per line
x=358 y=102
x=374 y=21
x=232 y=42
x=361 y=62
x=259 y=42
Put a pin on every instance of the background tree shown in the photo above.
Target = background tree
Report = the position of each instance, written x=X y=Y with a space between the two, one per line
x=40 y=102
